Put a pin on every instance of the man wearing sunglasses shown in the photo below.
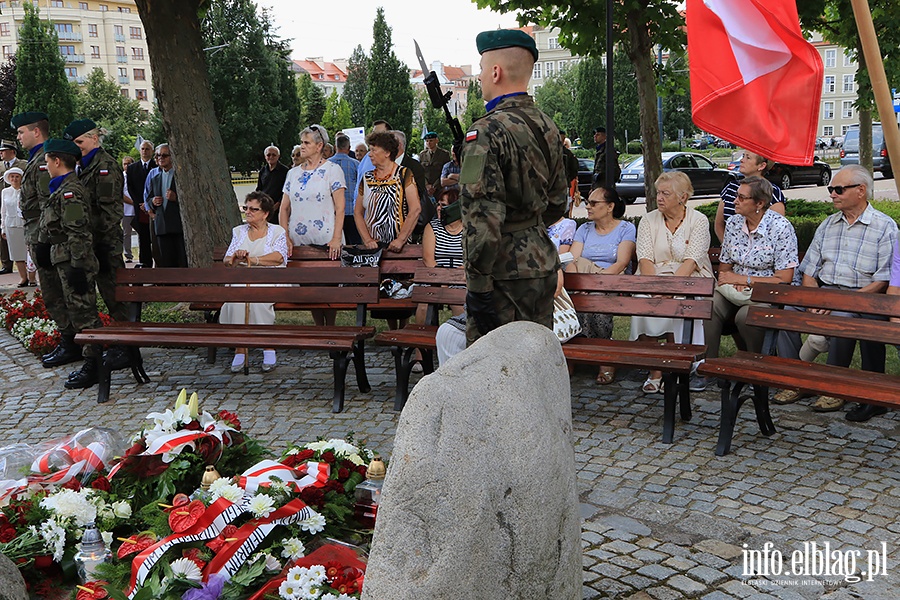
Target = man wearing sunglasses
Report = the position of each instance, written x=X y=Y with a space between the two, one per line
x=851 y=250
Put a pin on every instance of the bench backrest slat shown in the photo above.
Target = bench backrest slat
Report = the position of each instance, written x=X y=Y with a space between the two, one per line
x=828 y=325
x=431 y=286
x=632 y=284
x=220 y=276
x=647 y=307
x=263 y=294
x=881 y=305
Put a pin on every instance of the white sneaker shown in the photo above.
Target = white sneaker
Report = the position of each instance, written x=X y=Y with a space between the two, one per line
x=237 y=363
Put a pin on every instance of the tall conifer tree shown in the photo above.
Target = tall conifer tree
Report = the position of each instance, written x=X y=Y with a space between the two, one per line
x=389 y=95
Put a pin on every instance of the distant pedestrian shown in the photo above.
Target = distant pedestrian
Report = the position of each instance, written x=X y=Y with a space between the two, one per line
x=271 y=178
x=349 y=166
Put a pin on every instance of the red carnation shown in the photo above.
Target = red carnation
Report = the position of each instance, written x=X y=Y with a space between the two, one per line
x=194 y=555
x=230 y=418
x=313 y=496
x=101 y=483
x=343 y=474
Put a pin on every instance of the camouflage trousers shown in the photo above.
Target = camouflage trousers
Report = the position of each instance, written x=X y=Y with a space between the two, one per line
x=110 y=259
x=520 y=300
x=54 y=299
x=81 y=309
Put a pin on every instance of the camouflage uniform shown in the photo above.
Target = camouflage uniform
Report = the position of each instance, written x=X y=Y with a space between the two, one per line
x=509 y=195
x=66 y=225
x=35 y=195
x=104 y=182
x=433 y=163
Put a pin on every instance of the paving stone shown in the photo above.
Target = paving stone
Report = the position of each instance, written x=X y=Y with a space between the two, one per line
x=686 y=585
x=658 y=572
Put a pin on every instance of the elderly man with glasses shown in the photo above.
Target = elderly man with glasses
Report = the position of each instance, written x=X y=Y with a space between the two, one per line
x=163 y=203
x=851 y=250
x=271 y=180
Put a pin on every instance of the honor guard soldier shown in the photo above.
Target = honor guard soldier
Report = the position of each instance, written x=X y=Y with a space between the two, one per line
x=66 y=227
x=513 y=187
x=103 y=179
x=433 y=160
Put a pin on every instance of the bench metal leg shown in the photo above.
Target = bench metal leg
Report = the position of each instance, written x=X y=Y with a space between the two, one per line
x=427 y=362
x=761 y=404
x=341 y=362
x=137 y=365
x=359 y=364
x=105 y=378
x=684 y=396
x=670 y=397
x=731 y=403
x=403 y=363
x=211 y=355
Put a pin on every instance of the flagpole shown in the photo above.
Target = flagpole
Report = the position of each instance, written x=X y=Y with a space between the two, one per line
x=874 y=62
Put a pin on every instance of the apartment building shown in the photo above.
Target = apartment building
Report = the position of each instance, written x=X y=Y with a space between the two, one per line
x=552 y=58
x=107 y=34
x=452 y=79
x=329 y=76
x=836 y=113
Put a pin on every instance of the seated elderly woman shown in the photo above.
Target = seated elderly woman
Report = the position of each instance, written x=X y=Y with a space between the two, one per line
x=671 y=240
x=760 y=246
x=256 y=243
x=603 y=245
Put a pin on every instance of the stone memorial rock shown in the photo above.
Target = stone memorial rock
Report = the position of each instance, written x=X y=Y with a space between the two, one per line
x=12 y=586
x=480 y=497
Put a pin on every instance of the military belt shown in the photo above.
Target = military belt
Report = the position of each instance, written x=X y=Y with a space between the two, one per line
x=512 y=227
x=31 y=214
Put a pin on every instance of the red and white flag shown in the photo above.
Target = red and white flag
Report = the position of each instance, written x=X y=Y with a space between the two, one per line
x=755 y=80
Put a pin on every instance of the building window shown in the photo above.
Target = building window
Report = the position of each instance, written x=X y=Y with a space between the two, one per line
x=139 y=75
x=124 y=92
x=104 y=8
x=63 y=28
x=95 y=51
x=83 y=5
x=549 y=66
x=67 y=50
x=848 y=60
x=844 y=129
x=92 y=29
x=137 y=53
x=57 y=4
x=552 y=43
x=124 y=9
x=7 y=51
x=140 y=94
x=830 y=59
x=71 y=72
x=123 y=72
x=4 y=29
x=828 y=88
x=828 y=130
x=848 y=84
x=537 y=71
x=847 y=109
x=828 y=110
x=118 y=30
x=120 y=50
x=562 y=66
x=135 y=33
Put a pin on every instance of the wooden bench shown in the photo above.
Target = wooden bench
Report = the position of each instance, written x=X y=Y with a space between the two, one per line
x=686 y=298
x=762 y=370
x=313 y=285
x=431 y=289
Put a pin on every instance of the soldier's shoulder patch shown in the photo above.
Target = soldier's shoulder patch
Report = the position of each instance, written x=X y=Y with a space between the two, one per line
x=472 y=136
x=104 y=172
x=68 y=195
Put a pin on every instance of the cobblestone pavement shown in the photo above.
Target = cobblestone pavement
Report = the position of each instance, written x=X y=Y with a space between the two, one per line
x=660 y=521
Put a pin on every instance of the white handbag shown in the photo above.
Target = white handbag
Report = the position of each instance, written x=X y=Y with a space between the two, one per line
x=565 y=319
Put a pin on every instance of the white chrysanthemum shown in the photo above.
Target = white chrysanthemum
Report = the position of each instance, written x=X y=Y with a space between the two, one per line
x=313 y=524
x=261 y=506
x=293 y=549
x=70 y=504
x=289 y=590
x=121 y=509
x=317 y=573
x=279 y=486
x=54 y=537
x=185 y=568
x=343 y=447
x=216 y=487
x=231 y=492
x=318 y=446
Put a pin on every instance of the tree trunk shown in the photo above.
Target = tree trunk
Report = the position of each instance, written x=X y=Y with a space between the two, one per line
x=639 y=50
x=208 y=207
x=865 y=121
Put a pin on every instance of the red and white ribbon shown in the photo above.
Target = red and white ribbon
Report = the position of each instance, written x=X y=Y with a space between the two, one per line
x=261 y=474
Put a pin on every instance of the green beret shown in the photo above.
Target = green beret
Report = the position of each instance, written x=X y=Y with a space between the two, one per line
x=27 y=118
x=496 y=39
x=78 y=128
x=431 y=135
x=57 y=146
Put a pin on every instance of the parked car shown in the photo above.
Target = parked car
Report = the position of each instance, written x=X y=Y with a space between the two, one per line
x=585 y=176
x=880 y=159
x=705 y=176
x=703 y=142
x=787 y=176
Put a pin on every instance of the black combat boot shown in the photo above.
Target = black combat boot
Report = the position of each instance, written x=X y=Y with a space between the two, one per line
x=86 y=377
x=67 y=352
x=117 y=358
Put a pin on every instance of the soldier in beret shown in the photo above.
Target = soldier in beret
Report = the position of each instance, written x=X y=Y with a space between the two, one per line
x=103 y=179
x=513 y=187
x=433 y=160
x=32 y=130
x=66 y=226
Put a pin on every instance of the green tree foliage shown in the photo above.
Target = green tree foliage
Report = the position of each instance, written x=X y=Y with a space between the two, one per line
x=590 y=99
x=249 y=75
x=638 y=25
x=355 y=88
x=152 y=129
x=337 y=114
x=676 y=94
x=312 y=101
x=101 y=100
x=389 y=95
x=40 y=69
x=474 y=104
x=7 y=97
x=433 y=119
x=556 y=98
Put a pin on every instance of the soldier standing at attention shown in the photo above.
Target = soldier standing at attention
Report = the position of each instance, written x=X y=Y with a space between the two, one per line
x=32 y=130
x=66 y=226
x=513 y=187
x=433 y=160
x=103 y=179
